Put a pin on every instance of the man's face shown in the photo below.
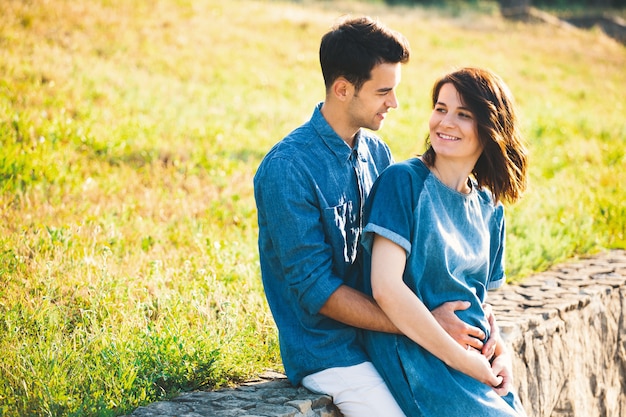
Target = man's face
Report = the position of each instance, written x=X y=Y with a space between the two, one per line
x=368 y=107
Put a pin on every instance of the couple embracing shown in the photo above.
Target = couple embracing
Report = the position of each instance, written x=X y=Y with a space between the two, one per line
x=377 y=272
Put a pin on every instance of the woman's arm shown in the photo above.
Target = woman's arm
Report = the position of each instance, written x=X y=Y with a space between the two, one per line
x=411 y=316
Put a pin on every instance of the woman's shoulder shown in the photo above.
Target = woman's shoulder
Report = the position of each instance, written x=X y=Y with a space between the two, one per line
x=412 y=167
x=495 y=209
x=486 y=196
x=399 y=177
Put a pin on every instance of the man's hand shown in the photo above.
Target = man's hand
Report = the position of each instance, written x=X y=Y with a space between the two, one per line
x=464 y=334
x=489 y=349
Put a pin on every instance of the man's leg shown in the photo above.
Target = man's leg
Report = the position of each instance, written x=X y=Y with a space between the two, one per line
x=357 y=391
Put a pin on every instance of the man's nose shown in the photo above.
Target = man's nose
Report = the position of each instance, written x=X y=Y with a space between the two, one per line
x=392 y=100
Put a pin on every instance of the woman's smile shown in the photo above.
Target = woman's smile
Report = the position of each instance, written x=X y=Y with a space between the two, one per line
x=443 y=136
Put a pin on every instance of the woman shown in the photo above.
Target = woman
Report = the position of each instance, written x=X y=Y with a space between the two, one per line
x=434 y=233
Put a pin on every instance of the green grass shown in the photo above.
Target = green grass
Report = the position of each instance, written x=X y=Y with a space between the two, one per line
x=131 y=130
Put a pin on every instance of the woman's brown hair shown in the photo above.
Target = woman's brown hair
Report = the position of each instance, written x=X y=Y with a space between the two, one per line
x=502 y=165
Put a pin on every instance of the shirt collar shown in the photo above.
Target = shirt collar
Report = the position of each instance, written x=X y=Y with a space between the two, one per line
x=331 y=139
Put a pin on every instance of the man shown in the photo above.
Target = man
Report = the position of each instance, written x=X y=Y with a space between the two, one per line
x=310 y=190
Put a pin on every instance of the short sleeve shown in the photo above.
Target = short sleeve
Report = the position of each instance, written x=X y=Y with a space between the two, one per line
x=497 y=276
x=389 y=211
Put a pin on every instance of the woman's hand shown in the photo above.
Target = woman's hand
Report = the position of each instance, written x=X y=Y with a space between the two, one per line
x=477 y=366
x=503 y=367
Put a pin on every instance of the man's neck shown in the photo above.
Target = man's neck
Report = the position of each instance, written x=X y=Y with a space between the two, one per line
x=335 y=116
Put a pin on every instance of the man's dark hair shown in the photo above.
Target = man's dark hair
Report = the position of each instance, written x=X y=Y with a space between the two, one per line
x=352 y=49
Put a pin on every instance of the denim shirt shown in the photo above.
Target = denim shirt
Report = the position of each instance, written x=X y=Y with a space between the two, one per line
x=310 y=189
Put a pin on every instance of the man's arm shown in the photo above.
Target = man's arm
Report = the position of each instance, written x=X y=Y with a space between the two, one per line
x=354 y=308
x=357 y=309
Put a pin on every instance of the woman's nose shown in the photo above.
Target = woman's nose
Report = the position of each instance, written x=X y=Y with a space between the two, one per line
x=447 y=120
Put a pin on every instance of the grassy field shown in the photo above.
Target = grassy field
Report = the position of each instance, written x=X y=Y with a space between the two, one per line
x=130 y=132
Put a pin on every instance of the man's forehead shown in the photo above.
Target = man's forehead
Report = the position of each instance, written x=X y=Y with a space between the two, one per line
x=384 y=77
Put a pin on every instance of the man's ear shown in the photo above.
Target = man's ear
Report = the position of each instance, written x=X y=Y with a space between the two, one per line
x=342 y=89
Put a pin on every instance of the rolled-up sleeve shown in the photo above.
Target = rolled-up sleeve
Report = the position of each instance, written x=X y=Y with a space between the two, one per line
x=291 y=220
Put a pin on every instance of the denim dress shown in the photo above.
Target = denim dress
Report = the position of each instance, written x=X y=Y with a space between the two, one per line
x=454 y=244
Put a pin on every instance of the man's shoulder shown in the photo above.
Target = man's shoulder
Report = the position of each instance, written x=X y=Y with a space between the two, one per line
x=294 y=142
x=290 y=150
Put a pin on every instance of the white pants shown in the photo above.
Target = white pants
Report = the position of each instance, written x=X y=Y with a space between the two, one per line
x=357 y=391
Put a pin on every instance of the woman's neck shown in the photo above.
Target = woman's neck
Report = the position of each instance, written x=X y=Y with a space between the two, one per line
x=452 y=175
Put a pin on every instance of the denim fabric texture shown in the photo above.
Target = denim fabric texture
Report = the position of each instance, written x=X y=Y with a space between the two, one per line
x=454 y=244
x=310 y=189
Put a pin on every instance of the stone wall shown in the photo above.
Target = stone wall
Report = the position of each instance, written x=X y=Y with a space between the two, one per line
x=566 y=329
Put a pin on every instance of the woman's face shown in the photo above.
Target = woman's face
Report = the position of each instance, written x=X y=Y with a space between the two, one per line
x=453 y=128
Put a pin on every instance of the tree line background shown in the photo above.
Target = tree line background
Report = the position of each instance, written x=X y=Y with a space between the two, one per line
x=559 y=4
